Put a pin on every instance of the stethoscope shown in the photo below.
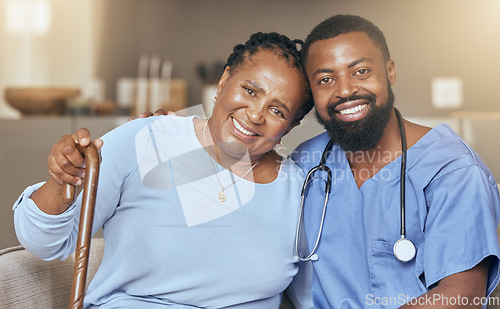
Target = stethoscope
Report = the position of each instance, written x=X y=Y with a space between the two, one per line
x=404 y=250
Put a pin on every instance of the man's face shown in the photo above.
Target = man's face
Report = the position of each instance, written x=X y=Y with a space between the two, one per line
x=351 y=84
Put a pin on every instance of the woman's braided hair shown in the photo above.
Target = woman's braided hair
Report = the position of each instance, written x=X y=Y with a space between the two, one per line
x=284 y=47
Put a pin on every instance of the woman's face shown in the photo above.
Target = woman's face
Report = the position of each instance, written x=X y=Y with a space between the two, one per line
x=256 y=104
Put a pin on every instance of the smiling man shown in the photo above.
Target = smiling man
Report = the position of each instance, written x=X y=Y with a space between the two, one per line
x=452 y=204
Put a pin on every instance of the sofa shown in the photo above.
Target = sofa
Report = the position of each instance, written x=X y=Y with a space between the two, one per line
x=28 y=282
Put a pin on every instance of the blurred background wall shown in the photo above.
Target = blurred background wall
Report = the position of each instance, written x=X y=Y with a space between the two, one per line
x=103 y=40
x=92 y=44
x=427 y=39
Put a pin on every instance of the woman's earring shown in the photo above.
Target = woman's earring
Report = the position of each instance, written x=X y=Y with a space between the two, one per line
x=215 y=99
x=279 y=144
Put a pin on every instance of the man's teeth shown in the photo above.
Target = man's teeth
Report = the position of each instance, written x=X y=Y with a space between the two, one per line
x=241 y=129
x=352 y=110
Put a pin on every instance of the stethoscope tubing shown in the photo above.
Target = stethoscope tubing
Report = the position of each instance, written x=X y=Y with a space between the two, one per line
x=402 y=180
x=328 y=186
x=405 y=255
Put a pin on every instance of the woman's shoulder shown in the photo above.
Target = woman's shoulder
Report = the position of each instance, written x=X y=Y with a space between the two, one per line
x=276 y=169
x=156 y=124
x=174 y=125
x=291 y=170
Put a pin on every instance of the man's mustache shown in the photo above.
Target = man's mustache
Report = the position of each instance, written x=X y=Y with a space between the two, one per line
x=371 y=98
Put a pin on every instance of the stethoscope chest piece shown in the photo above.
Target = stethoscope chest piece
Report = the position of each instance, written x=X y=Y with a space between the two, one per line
x=404 y=250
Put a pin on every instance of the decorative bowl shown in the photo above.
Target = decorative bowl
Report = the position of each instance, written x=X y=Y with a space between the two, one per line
x=40 y=100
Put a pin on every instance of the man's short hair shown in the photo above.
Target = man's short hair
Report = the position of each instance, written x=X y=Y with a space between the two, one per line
x=342 y=24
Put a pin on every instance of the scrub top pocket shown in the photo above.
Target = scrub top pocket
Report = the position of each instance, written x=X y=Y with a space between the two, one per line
x=388 y=275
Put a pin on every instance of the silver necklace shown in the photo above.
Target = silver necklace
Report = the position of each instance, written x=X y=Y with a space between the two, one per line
x=222 y=195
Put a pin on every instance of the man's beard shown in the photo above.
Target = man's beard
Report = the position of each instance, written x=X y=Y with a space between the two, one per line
x=363 y=134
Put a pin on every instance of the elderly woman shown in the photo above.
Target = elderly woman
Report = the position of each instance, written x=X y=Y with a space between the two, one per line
x=195 y=213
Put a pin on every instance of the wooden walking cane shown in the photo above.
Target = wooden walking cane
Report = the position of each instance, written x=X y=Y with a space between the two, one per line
x=86 y=218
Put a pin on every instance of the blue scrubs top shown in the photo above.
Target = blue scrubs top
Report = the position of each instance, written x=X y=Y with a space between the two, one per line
x=452 y=214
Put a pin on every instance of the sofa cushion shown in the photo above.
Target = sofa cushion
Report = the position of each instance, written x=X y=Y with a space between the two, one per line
x=28 y=282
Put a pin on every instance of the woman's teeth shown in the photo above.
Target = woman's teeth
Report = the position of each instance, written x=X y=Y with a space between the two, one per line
x=353 y=110
x=241 y=129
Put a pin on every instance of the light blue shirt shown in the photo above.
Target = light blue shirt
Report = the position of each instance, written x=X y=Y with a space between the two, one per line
x=169 y=240
x=452 y=214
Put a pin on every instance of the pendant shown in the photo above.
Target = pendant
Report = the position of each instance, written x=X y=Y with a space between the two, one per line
x=222 y=197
